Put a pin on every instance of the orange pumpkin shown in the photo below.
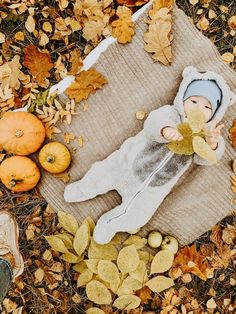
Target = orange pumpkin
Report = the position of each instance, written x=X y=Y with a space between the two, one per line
x=54 y=157
x=21 y=133
x=19 y=173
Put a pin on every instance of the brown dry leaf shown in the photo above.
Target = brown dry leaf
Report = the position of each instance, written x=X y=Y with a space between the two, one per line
x=222 y=260
x=64 y=176
x=76 y=62
x=189 y=260
x=39 y=274
x=86 y=82
x=228 y=57
x=68 y=137
x=145 y=294
x=159 y=4
x=123 y=27
x=232 y=22
x=229 y=234
x=216 y=237
x=158 y=37
x=132 y=3
x=39 y=63
x=30 y=24
x=232 y=133
x=203 y=23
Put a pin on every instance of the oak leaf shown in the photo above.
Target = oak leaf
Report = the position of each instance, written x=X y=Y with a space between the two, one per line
x=123 y=27
x=39 y=63
x=158 y=37
x=86 y=82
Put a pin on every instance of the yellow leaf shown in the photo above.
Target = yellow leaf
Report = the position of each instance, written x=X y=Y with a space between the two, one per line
x=140 y=273
x=138 y=241
x=85 y=277
x=108 y=271
x=159 y=283
x=162 y=261
x=66 y=239
x=82 y=238
x=128 y=259
x=196 y=119
x=67 y=222
x=70 y=258
x=98 y=293
x=56 y=244
x=98 y=251
x=203 y=149
x=127 y=302
x=184 y=146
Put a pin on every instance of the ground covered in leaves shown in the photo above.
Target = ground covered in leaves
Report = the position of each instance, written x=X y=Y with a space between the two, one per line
x=65 y=32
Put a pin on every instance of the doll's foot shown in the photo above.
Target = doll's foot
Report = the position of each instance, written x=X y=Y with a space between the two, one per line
x=102 y=234
x=73 y=193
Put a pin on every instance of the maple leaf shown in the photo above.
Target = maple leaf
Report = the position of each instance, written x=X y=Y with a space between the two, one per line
x=232 y=133
x=39 y=63
x=86 y=82
x=191 y=261
x=158 y=37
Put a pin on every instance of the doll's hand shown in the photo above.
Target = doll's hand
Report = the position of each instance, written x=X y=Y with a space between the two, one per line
x=212 y=133
x=171 y=134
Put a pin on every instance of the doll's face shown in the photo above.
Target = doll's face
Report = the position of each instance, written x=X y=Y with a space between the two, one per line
x=200 y=101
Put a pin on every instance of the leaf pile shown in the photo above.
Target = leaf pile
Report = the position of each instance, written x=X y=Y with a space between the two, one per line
x=193 y=137
x=105 y=270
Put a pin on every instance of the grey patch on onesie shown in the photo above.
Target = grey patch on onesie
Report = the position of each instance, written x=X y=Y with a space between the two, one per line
x=149 y=158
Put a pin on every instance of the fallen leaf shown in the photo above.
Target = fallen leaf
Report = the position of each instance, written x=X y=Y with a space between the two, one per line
x=39 y=63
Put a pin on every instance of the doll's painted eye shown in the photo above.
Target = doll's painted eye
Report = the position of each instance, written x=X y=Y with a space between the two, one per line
x=208 y=107
x=194 y=101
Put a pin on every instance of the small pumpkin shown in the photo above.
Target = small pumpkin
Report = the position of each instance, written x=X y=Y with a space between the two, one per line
x=54 y=157
x=19 y=173
x=21 y=133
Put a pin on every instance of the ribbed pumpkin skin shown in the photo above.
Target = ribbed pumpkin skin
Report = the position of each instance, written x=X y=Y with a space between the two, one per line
x=21 y=133
x=54 y=157
x=21 y=171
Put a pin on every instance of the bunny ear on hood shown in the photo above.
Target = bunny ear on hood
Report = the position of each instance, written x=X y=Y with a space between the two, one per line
x=190 y=74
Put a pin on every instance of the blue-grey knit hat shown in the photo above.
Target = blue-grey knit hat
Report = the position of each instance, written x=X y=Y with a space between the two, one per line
x=208 y=89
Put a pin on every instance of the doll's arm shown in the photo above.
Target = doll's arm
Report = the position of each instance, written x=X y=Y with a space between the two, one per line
x=219 y=151
x=158 y=119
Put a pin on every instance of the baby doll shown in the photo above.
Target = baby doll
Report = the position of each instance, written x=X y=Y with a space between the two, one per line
x=143 y=170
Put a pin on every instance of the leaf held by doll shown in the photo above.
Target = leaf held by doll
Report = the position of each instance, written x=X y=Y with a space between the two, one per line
x=193 y=137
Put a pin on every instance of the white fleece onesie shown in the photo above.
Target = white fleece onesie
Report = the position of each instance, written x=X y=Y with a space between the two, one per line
x=143 y=170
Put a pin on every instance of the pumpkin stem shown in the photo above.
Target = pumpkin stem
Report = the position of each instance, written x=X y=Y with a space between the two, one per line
x=14 y=182
x=19 y=133
x=50 y=158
